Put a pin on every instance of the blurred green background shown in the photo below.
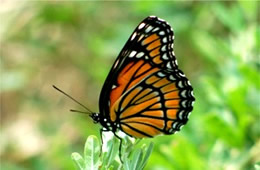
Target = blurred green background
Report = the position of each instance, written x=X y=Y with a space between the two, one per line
x=74 y=44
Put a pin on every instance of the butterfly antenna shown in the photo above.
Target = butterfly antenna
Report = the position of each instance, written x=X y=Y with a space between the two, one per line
x=72 y=110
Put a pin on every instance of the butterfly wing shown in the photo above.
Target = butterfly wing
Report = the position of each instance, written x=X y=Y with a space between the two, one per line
x=145 y=92
x=159 y=104
x=151 y=42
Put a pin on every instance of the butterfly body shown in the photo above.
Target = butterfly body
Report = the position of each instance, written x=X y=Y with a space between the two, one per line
x=145 y=93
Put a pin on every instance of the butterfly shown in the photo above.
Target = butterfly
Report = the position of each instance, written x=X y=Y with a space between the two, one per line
x=145 y=93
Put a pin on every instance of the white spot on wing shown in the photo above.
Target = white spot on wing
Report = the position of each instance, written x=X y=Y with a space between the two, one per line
x=184 y=103
x=174 y=125
x=139 y=55
x=188 y=115
x=161 y=33
x=176 y=62
x=169 y=66
x=161 y=20
x=171 y=77
x=141 y=26
x=181 y=74
x=156 y=29
x=171 y=131
x=180 y=115
x=114 y=86
x=181 y=127
x=180 y=84
x=164 y=40
x=141 y=37
x=164 y=48
x=133 y=36
x=116 y=63
x=148 y=29
x=160 y=74
x=132 y=54
x=183 y=93
x=165 y=57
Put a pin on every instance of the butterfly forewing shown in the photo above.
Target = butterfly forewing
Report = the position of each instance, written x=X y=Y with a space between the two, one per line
x=145 y=93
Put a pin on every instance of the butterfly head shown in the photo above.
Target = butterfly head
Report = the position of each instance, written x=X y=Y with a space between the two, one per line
x=104 y=121
x=95 y=117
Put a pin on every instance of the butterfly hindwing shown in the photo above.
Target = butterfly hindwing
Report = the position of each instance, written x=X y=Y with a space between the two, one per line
x=159 y=104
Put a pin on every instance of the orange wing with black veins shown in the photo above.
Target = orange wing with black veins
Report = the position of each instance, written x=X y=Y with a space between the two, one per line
x=159 y=104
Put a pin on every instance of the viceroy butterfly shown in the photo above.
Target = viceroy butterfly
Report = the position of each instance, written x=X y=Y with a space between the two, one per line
x=145 y=93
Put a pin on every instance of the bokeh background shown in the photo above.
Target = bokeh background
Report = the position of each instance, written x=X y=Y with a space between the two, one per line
x=74 y=44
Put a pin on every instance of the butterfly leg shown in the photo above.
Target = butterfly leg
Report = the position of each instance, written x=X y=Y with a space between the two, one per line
x=120 y=147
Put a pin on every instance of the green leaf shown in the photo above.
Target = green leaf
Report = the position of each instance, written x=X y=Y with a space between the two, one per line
x=148 y=152
x=127 y=164
x=91 y=153
x=79 y=161
x=137 y=158
x=109 y=156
